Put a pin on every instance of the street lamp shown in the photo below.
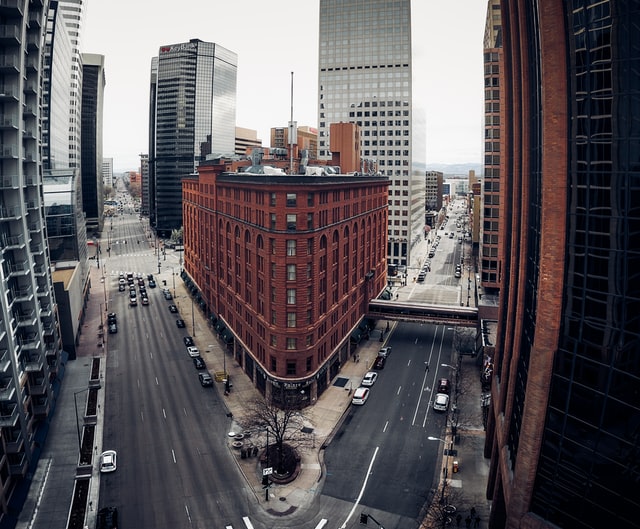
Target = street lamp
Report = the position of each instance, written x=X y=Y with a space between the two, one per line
x=445 y=470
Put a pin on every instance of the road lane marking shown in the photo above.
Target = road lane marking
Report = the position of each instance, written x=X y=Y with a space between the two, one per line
x=164 y=413
x=385 y=426
x=364 y=485
x=173 y=454
x=321 y=524
x=399 y=389
x=247 y=522
x=186 y=508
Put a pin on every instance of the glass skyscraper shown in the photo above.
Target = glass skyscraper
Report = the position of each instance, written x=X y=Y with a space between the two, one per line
x=365 y=77
x=193 y=114
x=564 y=432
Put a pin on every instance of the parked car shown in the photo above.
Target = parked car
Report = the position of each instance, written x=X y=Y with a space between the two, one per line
x=173 y=308
x=444 y=386
x=167 y=295
x=152 y=283
x=108 y=460
x=205 y=379
x=360 y=396
x=198 y=362
x=379 y=363
x=193 y=351
x=422 y=276
x=113 y=327
x=112 y=317
x=122 y=288
x=180 y=323
x=188 y=341
x=369 y=378
x=441 y=402
x=385 y=351
x=107 y=518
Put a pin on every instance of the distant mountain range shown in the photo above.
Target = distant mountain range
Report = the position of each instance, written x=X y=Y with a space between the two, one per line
x=455 y=169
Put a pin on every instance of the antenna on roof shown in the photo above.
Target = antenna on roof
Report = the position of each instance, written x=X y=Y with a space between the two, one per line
x=292 y=131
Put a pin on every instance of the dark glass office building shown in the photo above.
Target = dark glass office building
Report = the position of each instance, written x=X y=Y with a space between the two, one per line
x=193 y=114
x=564 y=432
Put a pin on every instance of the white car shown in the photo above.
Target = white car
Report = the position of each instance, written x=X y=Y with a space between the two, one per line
x=441 y=402
x=108 y=461
x=360 y=396
x=193 y=351
x=369 y=378
x=385 y=351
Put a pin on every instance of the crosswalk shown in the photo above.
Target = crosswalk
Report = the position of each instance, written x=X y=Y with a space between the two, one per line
x=249 y=525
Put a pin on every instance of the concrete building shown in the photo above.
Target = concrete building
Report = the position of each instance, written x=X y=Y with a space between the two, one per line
x=492 y=237
x=192 y=115
x=365 y=77
x=306 y=139
x=563 y=428
x=30 y=346
x=285 y=267
x=246 y=139
x=107 y=172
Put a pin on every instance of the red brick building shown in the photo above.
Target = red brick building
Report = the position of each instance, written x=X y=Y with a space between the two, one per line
x=286 y=266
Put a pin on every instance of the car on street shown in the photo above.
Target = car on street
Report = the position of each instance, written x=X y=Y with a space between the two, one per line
x=193 y=351
x=198 y=362
x=385 y=351
x=188 y=341
x=441 y=402
x=121 y=288
x=107 y=518
x=360 y=396
x=108 y=461
x=113 y=327
x=133 y=302
x=180 y=323
x=173 y=308
x=369 y=379
x=457 y=274
x=422 y=276
x=152 y=283
x=145 y=300
x=167 y=295
x=112 y=317
x=205 y=379
x=379 y=363
x=444 y=386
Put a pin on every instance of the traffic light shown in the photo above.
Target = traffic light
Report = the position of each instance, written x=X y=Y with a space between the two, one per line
x=364 y=518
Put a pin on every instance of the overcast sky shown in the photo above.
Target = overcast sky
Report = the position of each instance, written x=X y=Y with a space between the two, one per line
x=273 y=39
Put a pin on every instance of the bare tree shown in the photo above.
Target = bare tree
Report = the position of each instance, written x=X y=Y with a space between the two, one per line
x=283 y=426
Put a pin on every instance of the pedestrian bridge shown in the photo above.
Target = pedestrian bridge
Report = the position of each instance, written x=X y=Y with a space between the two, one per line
x=424 y=313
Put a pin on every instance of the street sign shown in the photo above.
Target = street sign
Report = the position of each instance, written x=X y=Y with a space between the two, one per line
x=267 y=471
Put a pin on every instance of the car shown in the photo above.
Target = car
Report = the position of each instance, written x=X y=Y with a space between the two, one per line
x=360 y=396
x=121 y=288
x=180 y=324
x=199 y=362
x=369 y=378
x=441 y=402
x=113 y=327
x=379 y=363
x=140 y=282
x=205 y=379
x=193 y=351
x=112 y=317
x=145 y=300
x=149 y=277
x=133 y=302
x=431 y=254
x=152 y=283
x=188 y=341
x=422 y=276
x=108 y=461
x=457 y=274
x=173 y=308
x=107 y=518
x=385 y=351
x=444 y=386
x=167 y=295
x=122 y=281
x=132 y=293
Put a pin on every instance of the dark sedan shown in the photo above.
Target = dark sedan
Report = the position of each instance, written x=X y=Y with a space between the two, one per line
x=198 y=362
x=180 y=324
x=188 y=341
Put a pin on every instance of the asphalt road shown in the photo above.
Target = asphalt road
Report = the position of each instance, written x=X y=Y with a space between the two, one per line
x=381 y=458
x=174 y=469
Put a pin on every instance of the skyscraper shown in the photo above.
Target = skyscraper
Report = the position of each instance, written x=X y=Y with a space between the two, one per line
x=30 y=347
x=365 y=77
x=564 y=432
x=193 y=114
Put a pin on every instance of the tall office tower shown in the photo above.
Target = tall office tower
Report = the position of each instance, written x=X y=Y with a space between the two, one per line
x=73 y=13
x=93 y=82
x=564 y=428
x=491 y=246
x=144 y=184
x=107 y=172
x=193 y=114
x=29 y=338
x=365 y=77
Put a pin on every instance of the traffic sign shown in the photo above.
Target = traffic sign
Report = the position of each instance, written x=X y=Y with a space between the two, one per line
x=267 y=471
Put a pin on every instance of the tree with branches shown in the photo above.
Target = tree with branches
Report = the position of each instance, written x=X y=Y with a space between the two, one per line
x=284 y=429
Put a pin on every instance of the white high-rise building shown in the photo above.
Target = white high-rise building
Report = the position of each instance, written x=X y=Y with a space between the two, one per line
x=365 y=77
